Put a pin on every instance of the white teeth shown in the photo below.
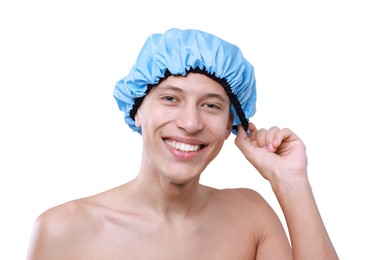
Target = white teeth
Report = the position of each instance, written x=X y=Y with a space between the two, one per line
x=183 y=147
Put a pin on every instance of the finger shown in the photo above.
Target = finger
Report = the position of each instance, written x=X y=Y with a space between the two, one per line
x=270 y=137
x=253 y=129
x=259 y=157
x=243 y=142
x=284 y=135
x=241 y=133
x=261 y=137
x=244 y=134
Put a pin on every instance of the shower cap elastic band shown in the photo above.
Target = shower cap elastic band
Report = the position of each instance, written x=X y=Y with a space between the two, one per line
x=178 y=52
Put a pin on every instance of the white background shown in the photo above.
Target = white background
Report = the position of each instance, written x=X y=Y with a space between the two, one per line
x=62 y=136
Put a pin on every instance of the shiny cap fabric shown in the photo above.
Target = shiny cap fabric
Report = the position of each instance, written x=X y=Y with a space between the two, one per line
x=178 y=52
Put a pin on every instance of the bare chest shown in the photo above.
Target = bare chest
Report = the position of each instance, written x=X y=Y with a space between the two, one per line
x=151 y=241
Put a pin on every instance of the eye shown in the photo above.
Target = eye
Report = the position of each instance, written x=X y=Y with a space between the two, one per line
x=212 y=106
x=169 y=98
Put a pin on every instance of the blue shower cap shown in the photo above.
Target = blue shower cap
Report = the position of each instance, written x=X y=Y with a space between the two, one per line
x=178 y=52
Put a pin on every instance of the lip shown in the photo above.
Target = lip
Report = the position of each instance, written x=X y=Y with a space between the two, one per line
x=189 y=141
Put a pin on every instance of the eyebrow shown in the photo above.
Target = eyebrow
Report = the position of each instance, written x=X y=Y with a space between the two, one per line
x=170 y=87
x=218 y=96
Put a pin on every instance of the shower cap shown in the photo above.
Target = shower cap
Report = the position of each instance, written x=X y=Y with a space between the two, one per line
x=178 y=52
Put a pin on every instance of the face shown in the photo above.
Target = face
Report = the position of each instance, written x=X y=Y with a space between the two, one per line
x=184 y=122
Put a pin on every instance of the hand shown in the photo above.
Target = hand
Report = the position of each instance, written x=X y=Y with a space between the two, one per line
x=278 y=154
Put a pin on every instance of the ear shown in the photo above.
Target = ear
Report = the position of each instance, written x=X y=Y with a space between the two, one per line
x=229 y=127
x=137 y=119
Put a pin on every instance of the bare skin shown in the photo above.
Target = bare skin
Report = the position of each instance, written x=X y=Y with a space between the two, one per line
x=228 y=224
x=164 y=213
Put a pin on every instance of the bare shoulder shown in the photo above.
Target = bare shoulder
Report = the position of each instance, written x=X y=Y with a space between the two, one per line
x=242 y=197
x=68 y=227
x=64 y=218
x=57 y=228
x=255 y=217
x=247 y=207
x=244 y=194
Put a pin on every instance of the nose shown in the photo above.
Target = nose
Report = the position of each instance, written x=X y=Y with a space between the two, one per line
x=189 y=119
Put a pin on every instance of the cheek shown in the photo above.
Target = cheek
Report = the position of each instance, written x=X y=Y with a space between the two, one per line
x=221 y=128
x=152 y=119
x=144 y=114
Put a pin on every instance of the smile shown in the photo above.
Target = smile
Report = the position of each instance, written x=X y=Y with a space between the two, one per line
x=182 y=146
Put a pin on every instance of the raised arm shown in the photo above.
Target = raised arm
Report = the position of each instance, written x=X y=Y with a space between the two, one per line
x=280 y=157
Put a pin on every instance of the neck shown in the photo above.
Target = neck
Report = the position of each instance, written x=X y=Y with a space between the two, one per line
x=169 y=199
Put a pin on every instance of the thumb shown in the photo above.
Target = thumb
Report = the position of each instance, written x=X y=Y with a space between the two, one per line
x=245 y=147
x=243 y=143
x=260 y=158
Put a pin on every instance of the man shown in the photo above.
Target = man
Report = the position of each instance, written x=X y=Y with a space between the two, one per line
x=187 y=92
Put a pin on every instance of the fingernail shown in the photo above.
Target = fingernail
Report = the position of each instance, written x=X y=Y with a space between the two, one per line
x=270 y=146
